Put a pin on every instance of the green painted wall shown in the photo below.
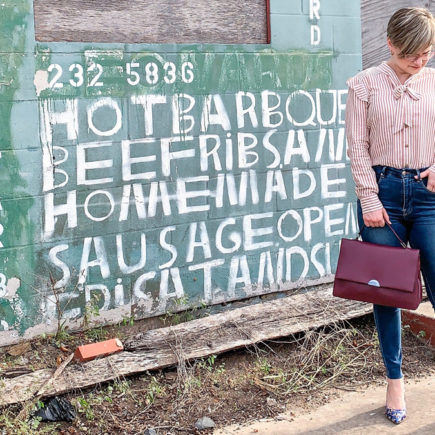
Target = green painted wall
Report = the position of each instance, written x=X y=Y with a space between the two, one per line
x=158 y=177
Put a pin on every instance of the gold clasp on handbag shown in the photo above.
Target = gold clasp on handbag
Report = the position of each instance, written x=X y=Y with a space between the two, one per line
x=374 y=283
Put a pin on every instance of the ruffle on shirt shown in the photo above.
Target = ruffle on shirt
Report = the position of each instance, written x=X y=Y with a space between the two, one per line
x=359 y=88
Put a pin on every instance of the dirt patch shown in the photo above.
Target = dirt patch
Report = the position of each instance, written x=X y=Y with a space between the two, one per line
x=293 y=373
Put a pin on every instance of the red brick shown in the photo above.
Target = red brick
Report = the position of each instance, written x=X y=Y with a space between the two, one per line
x=91 y=351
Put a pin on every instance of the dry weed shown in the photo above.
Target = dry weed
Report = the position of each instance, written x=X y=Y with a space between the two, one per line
x=322 y=357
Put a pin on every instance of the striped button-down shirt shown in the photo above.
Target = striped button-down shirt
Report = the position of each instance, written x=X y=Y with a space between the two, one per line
x=389 y=124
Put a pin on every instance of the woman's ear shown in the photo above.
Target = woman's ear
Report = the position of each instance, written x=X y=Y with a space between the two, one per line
x=390 y=46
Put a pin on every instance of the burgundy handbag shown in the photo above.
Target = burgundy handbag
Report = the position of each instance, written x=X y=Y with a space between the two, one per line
x=380 y=274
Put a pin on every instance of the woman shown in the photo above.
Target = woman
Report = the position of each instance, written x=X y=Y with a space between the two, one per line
x=390 y=125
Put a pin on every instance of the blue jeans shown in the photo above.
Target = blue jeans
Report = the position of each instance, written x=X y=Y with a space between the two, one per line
x=411 y=208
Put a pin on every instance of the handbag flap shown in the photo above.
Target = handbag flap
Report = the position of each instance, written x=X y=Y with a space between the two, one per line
x=378 y=265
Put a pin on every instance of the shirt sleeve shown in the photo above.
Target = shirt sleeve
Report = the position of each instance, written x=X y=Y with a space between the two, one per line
x=357 y=132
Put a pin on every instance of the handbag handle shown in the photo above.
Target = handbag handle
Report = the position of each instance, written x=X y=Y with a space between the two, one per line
x=402 y=243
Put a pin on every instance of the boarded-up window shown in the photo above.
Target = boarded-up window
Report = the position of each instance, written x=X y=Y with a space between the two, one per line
x=152 y=21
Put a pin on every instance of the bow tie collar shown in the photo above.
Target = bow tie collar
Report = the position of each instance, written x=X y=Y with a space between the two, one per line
x=403 y=114
x=402 y=89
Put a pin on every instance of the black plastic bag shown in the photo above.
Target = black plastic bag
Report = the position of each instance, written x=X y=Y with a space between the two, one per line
x=56 y=409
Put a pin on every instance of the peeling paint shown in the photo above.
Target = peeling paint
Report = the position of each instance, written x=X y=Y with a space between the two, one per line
x=97 y=53
x=16 y=73
x=12 y=287
x=41 y=81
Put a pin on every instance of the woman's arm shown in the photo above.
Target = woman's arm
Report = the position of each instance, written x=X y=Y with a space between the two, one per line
x=357 y=132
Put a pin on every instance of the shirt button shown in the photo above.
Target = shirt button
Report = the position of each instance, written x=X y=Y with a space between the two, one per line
x=407 y=145
x=406 y=125
x=406 y=166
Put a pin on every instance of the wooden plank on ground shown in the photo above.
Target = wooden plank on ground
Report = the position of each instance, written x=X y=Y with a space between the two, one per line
x=199 y=338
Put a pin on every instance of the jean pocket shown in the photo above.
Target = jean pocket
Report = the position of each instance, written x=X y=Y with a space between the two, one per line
x=423 y=182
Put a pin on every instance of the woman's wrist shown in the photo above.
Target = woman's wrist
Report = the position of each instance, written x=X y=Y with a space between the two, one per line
x=370 y=204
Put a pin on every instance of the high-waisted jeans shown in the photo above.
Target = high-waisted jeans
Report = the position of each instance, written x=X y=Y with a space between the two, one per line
x=411 y=208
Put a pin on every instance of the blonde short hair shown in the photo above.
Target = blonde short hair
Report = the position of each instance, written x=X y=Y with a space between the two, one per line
x=411 y=30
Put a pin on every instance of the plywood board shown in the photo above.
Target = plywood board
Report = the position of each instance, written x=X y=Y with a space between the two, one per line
x=165 y=21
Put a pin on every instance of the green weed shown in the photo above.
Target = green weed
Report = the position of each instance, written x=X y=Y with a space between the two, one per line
x=92 y=309
x=85 y=408
x=154 y=390
x=176 y=315
x=263 y=365
x=97 y=334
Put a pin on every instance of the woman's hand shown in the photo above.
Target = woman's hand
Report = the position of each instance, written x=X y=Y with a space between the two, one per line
x=376 y=218
x=430 y=180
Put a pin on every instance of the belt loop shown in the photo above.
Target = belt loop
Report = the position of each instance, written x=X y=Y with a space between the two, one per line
x=418 y=174
x=384 y=169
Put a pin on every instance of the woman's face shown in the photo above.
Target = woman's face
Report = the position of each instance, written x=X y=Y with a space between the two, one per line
x=410 y=64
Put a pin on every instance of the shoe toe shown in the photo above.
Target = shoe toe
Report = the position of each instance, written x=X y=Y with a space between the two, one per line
x=395 y=415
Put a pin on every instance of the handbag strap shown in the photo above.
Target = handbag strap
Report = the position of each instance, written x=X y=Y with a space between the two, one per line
x=394 y=232
x=402 y=243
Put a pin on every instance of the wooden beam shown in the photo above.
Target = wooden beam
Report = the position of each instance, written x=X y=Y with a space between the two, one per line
x=199 y=338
